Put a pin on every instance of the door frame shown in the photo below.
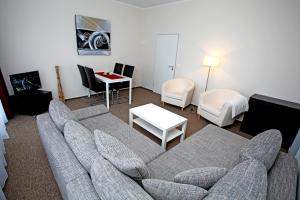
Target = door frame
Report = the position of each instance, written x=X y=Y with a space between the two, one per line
x=176 y=56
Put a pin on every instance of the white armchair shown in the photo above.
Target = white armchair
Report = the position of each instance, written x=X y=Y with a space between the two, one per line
x=178 y=92
x=221 y=106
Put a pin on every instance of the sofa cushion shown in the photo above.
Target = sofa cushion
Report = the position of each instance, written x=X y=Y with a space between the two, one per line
x=91 y=111
x=202 y=177
x=60 y=114
x=143 y=146
x=164 y=190
x=282 y=178
x=82 y=143
x=120 y=156
x=263 y=147
x=211 y=146
x=247 y=180
x=111 y=184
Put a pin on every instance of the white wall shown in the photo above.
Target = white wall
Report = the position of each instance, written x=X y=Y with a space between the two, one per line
x=39 y=34
x=258 y=42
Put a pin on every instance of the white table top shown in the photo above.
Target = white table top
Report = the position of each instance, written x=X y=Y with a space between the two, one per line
x=108 y=80
x=157 y=116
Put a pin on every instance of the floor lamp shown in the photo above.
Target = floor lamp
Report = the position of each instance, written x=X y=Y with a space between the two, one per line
x=210 y=61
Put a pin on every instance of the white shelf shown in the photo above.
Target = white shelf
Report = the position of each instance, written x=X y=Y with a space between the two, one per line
x=157 y=132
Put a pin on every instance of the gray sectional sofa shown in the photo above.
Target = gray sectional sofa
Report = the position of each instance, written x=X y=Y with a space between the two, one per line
x=210 y=147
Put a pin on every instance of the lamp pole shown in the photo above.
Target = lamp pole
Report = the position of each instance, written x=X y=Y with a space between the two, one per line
x=207 y=78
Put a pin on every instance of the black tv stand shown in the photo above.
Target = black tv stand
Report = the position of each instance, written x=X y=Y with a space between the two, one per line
x=31 y=103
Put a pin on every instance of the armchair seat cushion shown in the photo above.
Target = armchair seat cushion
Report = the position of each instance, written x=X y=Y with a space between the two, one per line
x=213 y=109
x=175 y=95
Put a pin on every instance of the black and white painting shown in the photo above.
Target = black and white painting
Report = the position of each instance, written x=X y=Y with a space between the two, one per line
x=93 y=36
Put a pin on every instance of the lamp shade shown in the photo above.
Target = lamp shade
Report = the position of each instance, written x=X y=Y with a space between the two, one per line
x=211 y=61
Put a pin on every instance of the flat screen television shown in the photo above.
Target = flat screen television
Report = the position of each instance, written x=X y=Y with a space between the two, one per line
x=25 y=82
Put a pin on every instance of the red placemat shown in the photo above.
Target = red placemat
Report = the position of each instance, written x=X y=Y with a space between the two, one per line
x=112 y=76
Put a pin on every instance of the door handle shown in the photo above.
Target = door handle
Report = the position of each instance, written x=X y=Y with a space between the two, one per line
x=171 y=67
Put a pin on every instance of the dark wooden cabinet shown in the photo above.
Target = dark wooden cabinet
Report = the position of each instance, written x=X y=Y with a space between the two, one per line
x=271 y=113
x=32 y=103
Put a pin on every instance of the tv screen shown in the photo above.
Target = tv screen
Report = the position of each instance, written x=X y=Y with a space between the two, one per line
x=25 y=82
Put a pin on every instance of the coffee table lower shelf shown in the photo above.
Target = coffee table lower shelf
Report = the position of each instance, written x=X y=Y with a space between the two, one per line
x=156 y=131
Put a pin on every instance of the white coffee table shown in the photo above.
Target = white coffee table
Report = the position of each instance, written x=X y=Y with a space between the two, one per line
x=158 y=121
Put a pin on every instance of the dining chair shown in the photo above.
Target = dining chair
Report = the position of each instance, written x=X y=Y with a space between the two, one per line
x=128 y=72
x=94 y=85
x=118 y=68
x=84 y=79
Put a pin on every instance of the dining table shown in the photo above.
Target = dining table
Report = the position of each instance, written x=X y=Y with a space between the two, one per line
x=109 y=78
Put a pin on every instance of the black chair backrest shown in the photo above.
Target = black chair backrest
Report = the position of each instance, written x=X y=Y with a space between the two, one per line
x=118 y=68
x=128 y=71
x=84 y=78
x=91 y=78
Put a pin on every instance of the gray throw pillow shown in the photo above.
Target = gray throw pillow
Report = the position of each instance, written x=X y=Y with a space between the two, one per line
x=247 y=180
x=121 y=156
x=263 y=147
x=111 y=184
x=82 y=143
x=164 y=190
x=60 y=114
x=202 y=177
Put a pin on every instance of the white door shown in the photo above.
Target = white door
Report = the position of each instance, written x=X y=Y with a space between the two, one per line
x=166 y=54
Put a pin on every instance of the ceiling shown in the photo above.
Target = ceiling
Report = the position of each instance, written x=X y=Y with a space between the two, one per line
x=147 y=3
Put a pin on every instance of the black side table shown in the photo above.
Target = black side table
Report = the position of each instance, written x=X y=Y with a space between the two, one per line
x=271 y=113
x=31 y=103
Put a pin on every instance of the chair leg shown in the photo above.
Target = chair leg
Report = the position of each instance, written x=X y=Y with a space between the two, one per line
x=118 y=93
x=163 y=104
x=121 y=97
x=89 y=92
x=199 y=116
x=182 y=109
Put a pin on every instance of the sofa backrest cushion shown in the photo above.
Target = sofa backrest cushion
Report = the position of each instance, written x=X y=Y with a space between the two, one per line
x=247 y=180
x=60 y=114
x=204 y=177
x=165 y=190
x=82 y=143
x=263 y=147
x=90 y=112
x=111 y=184
x=121 y=156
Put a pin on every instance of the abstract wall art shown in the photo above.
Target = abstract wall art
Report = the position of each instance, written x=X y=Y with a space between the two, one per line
x=93 y=36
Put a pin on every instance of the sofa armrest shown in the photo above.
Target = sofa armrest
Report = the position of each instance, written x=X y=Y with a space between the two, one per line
x=282 y=178
x=81 y=188
x=88 y=112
